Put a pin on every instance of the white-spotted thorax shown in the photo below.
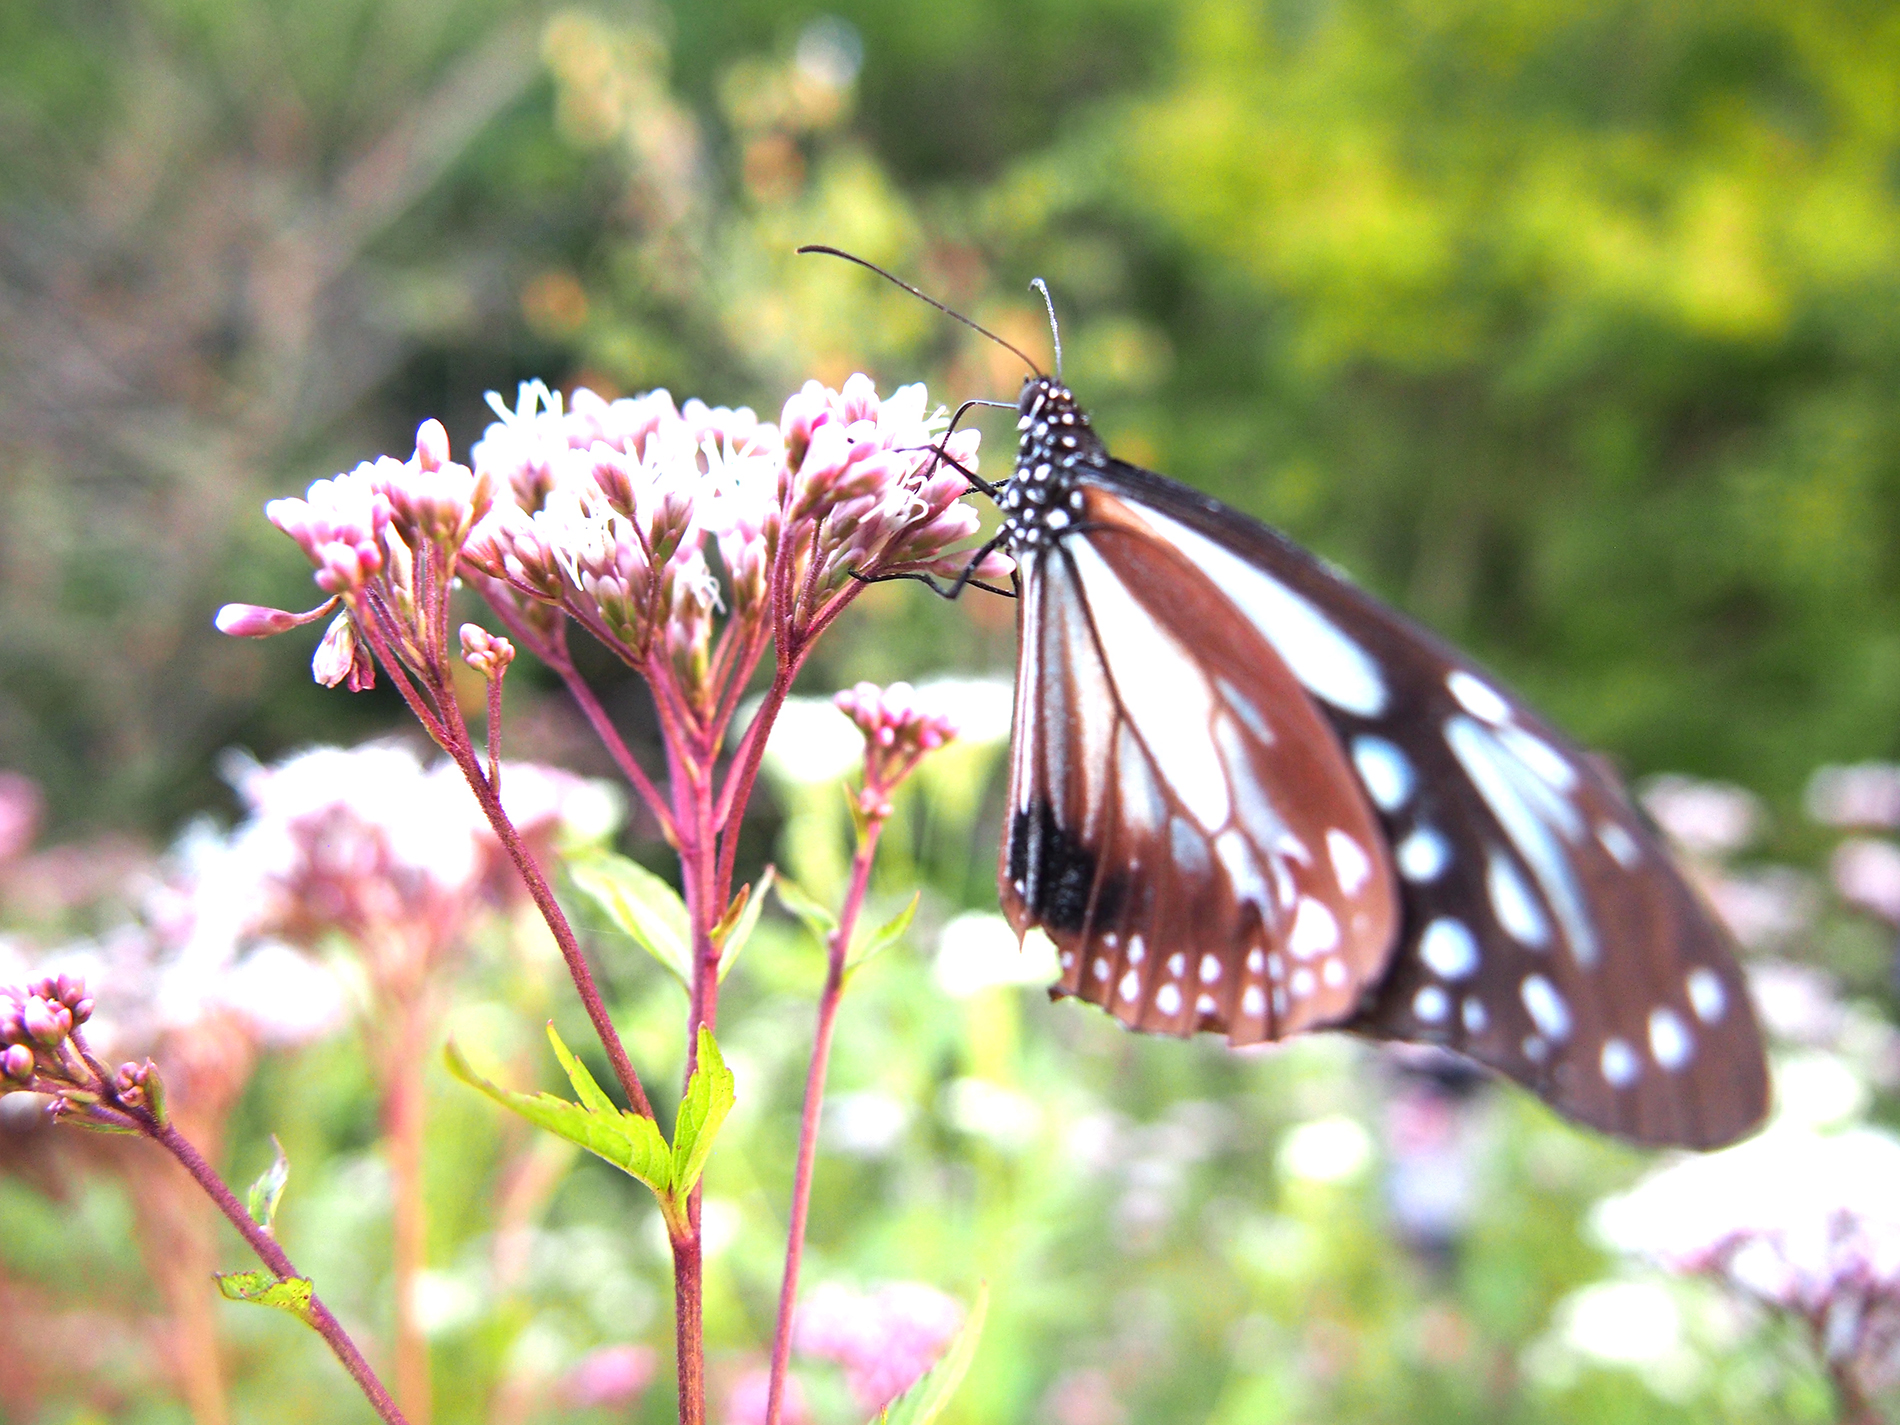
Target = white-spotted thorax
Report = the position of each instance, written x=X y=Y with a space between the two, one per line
x=1044 y=496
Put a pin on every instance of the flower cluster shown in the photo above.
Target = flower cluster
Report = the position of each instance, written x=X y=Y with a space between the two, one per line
x=884 y=1340
x=42 y=1051
x=897 y=734
x=1805 y=1223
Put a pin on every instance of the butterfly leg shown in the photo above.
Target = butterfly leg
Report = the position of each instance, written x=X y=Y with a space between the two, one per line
x=967 y=579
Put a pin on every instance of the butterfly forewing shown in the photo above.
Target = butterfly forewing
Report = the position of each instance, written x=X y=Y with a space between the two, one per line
x=1545 y=932
x=1183 y=822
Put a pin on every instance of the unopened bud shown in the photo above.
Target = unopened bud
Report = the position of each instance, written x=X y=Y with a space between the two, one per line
x=47 y=1022
x=255 y=620
x=16 y=1063
x=487 y=653
x=432 y=445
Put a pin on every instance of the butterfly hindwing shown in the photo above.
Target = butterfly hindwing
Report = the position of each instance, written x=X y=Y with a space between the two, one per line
x=1545 y=931
x=1183 y=823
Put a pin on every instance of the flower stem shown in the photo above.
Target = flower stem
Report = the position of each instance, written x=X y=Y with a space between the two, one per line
x=272 y=1256
x=839 y=947
x=403 y=1127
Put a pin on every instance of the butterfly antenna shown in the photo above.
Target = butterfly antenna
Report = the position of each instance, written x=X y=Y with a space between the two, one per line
x=1055 y=335
x=926 y=297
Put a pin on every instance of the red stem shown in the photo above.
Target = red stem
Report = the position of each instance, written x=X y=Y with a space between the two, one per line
x=272 y=1256
x=839 y=947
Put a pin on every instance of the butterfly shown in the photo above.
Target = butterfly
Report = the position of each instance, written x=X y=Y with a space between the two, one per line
x=1247 y=798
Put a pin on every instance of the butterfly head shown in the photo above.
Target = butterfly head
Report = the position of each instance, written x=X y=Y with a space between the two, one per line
x=1056 y=444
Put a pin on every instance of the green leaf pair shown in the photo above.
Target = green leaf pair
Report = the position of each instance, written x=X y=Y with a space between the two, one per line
x=261 y=1287
x=645 y=907
x=629 y=1141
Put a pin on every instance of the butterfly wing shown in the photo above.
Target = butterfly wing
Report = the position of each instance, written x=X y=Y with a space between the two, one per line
x=1545 y=932
x=1184 y=824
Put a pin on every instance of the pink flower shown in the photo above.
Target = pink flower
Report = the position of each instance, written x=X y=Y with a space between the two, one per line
x=897 y=734
x=884 y=1340
x=610 y=1378
x=747 y=1400
x=21 y=807
x=1867 y=873
x=1864 y=795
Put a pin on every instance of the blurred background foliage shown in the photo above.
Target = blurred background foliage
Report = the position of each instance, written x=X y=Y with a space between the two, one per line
x=1570 y=328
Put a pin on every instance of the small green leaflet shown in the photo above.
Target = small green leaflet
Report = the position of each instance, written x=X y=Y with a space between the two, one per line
x=263 y=1288
x=269 y=1188
x=731 y=934
x=925 y=1401
x=885 y=936
x=819 y=921
x=640 y=904
x=627 y=1140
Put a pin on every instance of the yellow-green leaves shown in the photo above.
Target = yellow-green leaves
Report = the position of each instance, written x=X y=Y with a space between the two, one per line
x=263 y=1288
x=629 y=1141
x=268 y=1190
x=650 y=911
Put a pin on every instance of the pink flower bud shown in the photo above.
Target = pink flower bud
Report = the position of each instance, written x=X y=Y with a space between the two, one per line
x=432 y=445
x=257 y=621
x=487 y=653
x=342 y=658
x=16 y=1063
x=49 y=1023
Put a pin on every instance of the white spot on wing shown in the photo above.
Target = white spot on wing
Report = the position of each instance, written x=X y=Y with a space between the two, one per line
x=1168 y=1000
x=1619 y=843
x=1669 y=1039
x=1210 y=969
x=1302 y=984
x=1137 y=952
x=1474 y=1014
x=1547 y=1008
x=1431 y=1005
x=1204 y=1004
x=1535 y=818
x=1423 y=856
x=1543 y=759
x=1620 y=1064
x=1448 y=949
x=1706 y=996
x=1161 y=688
x=1141 y=805
x=1325 y=660
x=1478 y=697
x=1314 y=930
x=1189 y=847
x=1130 y=986
x=1253 y=1004
x=1512 y=904
x=1244 y=709
x=1350 y=863
x=1384 y=770
x=1099 y=969
x=1237 y=857
x=1177 y=965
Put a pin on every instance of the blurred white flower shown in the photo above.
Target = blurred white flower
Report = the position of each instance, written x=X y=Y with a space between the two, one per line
x=865 y=1124
x=980 y=707
x=977 y=950
x=1763 y=907
x=1807 y=1223
x=1799 y=1003
x=1866 y=794
x=812 y=742
x=1334 y=1149
x=884 y=1340
x=1707 y=818
x=1816 y=1089
x=984 y=1109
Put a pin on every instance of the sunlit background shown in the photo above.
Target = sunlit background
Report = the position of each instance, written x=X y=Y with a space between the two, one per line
x=1572 y=329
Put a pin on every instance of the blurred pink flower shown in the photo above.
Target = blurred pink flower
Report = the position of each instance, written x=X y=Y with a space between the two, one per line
x=1864 y=795
x=1763 y=907
x=610 y=1377
x=747 y=1400
x=1710 y=819
x=1866 y=872
x=897 y=734
x=884 y=1340
x=1085 y=1397
x=21 y=807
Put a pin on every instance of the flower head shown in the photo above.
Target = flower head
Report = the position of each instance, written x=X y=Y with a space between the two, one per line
x=898 y=732
x=884 y=1340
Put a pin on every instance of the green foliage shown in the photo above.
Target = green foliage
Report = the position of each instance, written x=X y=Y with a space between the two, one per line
x=641 y=905
x=264 y=1195
x=263 y=1288
x=885 y=936
x=630 y=1141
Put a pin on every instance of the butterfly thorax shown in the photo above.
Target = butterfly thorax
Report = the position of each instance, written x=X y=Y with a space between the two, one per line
x=1044 y=496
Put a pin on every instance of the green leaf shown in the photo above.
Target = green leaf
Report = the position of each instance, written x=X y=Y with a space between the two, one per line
x=269 y=1188
x=631 y=1143
x=708 y=1100
x=263 y=1288
x=925 y=1401
x=819 y=921
x=641 y=904
x=740 y=927
x=885 y=936
x=593 y=1098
